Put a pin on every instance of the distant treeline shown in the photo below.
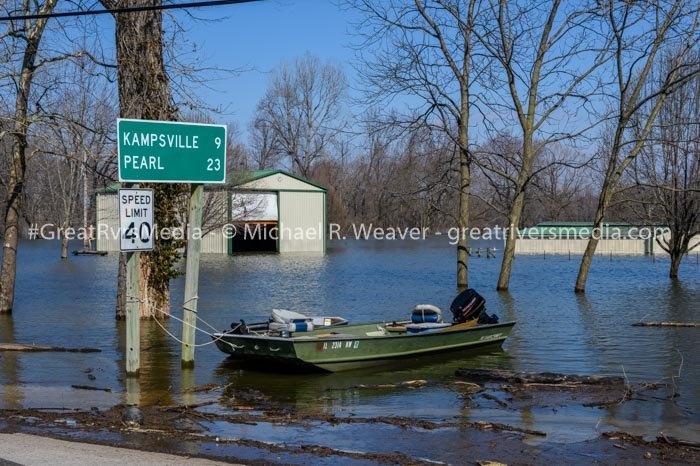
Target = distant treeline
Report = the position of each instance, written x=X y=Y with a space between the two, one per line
x=462 y=114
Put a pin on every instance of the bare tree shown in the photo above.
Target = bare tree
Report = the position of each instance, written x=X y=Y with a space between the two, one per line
x=667 y=170
x=547 y=54
x=425 y=49
x=559 y=187
x=302 y=112
x=237 y=153
x=63 y=178
x=263 y=144
x=71 y=141
x=560 y=176
x=21 y=41
x=641 y=31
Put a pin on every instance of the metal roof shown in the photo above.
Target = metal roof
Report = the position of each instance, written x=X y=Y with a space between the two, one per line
x=235 y=178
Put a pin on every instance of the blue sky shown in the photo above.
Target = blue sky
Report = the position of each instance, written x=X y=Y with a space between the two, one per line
x=259 y=36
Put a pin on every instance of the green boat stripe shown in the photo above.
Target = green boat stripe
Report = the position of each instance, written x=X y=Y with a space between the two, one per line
x=405 y=353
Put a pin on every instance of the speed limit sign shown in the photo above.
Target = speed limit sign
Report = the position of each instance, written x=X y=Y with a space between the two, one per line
x=135 y=219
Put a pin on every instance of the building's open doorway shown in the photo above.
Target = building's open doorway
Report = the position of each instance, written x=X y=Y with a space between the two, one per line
x=255 y=216
x=255 y=237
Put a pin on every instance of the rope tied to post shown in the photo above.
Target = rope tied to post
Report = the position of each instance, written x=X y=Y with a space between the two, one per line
x=134 y=299
x=185 y=306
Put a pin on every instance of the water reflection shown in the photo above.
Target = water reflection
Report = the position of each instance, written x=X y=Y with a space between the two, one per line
x=10 y=391
x=377 y=390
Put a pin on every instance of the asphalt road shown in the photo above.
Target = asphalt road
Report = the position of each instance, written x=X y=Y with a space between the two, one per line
x=29 y=450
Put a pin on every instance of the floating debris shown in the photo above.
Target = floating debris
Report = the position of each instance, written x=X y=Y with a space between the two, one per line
x=89 y=387
x=132 y=417
x=40 y=348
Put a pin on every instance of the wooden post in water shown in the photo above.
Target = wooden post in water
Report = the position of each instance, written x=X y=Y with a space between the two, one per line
x=133 y=318
x=133 y=308
x=194 y=247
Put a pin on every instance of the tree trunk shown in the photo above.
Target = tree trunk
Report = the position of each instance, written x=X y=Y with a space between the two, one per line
x=676 y=258
x=144 y=93
x=678 y=247
x=11 y=237
x=64 y=248
x=593 y=241
x=464 y=176
x=463 y=222
x=516 y=211
x=18 y=166
x=585 y=266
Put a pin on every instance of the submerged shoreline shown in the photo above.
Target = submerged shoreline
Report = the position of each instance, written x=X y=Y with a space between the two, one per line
x=180 y=433
x=246 y=426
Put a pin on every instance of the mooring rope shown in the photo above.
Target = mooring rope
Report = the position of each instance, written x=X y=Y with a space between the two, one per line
x=174 y=337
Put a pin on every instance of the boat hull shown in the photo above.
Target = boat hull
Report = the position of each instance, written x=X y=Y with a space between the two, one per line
x=353 y=349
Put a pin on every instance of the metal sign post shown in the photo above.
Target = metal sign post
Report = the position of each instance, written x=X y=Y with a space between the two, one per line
x=135 y=235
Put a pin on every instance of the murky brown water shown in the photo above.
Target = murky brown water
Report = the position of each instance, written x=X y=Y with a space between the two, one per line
x=72 y=304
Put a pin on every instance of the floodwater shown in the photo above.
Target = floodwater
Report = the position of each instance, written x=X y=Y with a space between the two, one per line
x=71 y=304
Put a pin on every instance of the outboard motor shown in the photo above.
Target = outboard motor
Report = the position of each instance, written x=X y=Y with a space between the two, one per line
x=466 y=306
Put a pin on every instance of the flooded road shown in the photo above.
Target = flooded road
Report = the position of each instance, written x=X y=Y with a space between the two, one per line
x=71 y=304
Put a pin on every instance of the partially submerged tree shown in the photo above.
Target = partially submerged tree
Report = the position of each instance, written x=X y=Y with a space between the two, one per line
x=641 y=32
x=666 y=173
x=21 y=42
x=144 y=93
x=547 y=54
x=425 y=50
x=71 y=142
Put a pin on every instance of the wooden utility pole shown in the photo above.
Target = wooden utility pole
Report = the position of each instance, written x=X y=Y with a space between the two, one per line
x=133 y=317
x=194 y=247
x=135 y=235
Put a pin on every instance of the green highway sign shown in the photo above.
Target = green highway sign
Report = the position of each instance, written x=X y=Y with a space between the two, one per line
x=171 y=152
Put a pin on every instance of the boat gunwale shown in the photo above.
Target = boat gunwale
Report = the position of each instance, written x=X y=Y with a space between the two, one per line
x=310 y=338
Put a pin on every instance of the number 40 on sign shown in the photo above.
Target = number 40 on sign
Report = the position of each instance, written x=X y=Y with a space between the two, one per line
x=136 y=219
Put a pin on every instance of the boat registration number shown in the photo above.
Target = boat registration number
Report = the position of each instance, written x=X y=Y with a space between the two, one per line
x=335 y=345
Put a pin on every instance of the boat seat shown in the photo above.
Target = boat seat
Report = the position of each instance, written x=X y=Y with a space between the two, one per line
x=284 y=316
x=426 y=327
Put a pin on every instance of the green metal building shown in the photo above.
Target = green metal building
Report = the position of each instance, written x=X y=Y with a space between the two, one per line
x=257 y=211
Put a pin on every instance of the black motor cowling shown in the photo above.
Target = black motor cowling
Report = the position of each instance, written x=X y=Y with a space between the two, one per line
x=466 y=306
x=469 y=305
